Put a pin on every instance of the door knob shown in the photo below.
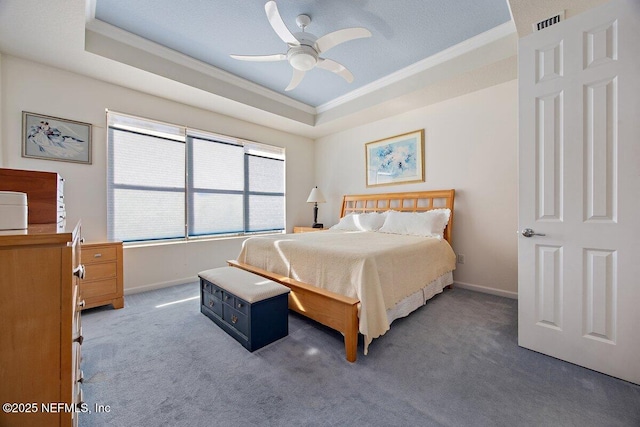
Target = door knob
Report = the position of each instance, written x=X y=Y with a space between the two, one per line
x=528 y=232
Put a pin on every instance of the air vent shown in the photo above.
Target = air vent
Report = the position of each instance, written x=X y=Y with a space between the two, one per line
x=549 y=22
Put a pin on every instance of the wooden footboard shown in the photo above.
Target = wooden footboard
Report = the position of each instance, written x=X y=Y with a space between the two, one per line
x=333 y=310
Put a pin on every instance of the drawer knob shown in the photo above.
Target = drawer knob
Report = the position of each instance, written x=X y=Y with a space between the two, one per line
x=79 y=271
x=79 y=340
x=97 y=255
x=234 y=318
x=227 y=297
x=239 y=305
x=81 y=304
x=211 y=303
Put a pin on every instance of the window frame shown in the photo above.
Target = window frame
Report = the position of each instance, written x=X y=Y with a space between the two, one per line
x=189 y=190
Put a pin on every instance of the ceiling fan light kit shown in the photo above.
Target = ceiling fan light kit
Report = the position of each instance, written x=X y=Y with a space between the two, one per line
x=302 y=57
x=304 y=49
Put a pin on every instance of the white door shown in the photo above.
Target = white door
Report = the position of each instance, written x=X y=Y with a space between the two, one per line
x=579 y=185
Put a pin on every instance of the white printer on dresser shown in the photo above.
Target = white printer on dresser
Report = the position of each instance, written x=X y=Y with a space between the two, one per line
x=13 y=210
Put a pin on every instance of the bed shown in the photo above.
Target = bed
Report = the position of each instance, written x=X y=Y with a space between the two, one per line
x=359 y=281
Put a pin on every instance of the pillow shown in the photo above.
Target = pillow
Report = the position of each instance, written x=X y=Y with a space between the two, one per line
x=371 y=221
x=427 y=224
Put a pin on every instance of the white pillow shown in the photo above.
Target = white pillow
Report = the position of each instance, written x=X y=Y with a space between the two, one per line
x=427 y=224
x=371 y=221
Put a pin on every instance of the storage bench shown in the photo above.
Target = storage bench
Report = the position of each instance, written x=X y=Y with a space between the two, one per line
x=252 y=309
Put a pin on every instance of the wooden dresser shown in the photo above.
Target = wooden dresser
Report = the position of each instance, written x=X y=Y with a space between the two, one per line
x=45 y=193
x=40 y=330
x=103 y=281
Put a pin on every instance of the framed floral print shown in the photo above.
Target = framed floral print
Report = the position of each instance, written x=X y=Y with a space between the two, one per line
x=53 y=138
x=395 y=160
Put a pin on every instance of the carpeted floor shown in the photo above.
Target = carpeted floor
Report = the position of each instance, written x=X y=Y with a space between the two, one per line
x=454 y=362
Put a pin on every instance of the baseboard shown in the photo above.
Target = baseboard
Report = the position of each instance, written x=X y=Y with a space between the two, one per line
x=486 y=290
x=159 y=285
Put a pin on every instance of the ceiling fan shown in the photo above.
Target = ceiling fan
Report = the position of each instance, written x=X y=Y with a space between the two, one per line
x=304 y=48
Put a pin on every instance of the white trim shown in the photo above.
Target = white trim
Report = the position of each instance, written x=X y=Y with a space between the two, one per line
x=119 y=35
x=159 y=285
x=486 y=290
x=461 y=48
x=90 y=11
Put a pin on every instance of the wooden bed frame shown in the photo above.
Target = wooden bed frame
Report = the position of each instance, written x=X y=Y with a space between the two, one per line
x=338 y=311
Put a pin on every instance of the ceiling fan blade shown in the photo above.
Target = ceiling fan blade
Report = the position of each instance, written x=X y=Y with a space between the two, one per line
x=261 y=58
x=333 y=66
x=296 y=78
x=278 y=24
x=330 y=40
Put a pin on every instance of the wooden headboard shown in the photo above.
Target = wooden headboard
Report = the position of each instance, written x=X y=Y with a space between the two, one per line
x=416 y=201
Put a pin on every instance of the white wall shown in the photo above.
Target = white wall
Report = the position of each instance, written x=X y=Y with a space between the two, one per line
x=1 y=105
x=29 y=86
x=470 y=145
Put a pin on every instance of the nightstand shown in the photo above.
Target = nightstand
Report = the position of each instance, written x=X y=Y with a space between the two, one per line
x=103 y=279
x=300 y=229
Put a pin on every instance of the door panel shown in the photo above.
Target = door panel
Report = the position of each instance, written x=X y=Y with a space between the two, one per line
x=579 y=186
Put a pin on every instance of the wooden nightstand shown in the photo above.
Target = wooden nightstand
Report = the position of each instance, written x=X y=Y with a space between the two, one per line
x=300 y=229
x=103 y=279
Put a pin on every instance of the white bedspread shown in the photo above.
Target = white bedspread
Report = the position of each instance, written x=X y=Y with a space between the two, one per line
x=378 y=269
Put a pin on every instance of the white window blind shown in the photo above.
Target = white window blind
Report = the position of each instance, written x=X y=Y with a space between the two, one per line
x=265 y=193
x=217 y=191
x=167 y=182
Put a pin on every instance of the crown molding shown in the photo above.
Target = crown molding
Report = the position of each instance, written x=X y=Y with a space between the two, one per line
x=119 y=35
x=462 y=48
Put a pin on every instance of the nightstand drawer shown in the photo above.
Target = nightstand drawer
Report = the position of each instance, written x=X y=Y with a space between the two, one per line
x=98 y=254
x=99 y=288
x=100 y=271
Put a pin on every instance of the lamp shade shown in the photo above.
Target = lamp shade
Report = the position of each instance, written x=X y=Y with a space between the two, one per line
x=316 y=196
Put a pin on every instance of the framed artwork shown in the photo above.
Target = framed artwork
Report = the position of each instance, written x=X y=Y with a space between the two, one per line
x=53 y=138
x=395 y=160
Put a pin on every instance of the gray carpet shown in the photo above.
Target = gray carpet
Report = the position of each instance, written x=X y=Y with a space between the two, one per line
x=454 y=362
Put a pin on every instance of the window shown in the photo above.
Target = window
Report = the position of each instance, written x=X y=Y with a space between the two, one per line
x=169 y=182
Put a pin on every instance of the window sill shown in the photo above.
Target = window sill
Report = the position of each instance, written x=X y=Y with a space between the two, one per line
x=145 y=244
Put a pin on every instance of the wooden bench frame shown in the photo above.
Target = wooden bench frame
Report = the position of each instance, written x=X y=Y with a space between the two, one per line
x=338 y=311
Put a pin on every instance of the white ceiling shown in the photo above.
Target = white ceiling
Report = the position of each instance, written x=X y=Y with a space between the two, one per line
x=421 y=52
x=403 y=33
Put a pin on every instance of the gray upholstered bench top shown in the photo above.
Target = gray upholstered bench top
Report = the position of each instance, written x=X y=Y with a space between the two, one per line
x=243 y=284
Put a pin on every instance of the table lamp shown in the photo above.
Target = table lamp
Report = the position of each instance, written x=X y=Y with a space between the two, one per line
x=316 y=197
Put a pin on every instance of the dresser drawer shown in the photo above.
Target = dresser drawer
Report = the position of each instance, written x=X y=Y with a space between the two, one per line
x=239 y=305
x=235 y=302
x=212 y=303
x=237 y=320
x=100 y=271
x=98 y=254
x=212 y=289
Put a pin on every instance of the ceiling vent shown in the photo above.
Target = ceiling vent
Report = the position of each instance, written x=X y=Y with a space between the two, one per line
x=549 y=22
